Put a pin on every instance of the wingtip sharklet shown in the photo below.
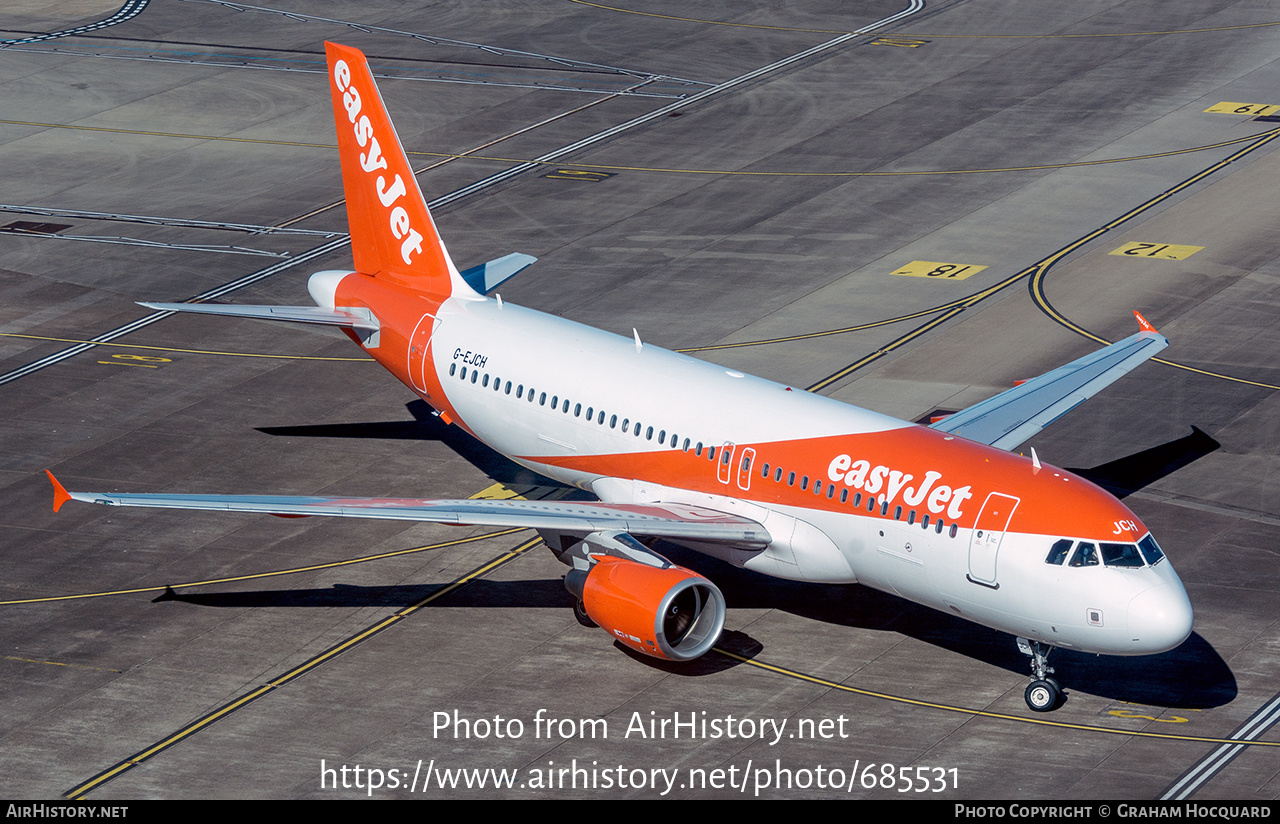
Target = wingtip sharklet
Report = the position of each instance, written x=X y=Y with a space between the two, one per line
x=60 y=493
x=1144 y=323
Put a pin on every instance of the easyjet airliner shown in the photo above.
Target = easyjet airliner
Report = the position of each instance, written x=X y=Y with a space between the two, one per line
x=782 y=482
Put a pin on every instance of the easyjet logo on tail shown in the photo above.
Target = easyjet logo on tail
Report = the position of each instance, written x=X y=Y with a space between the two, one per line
x=373 y=162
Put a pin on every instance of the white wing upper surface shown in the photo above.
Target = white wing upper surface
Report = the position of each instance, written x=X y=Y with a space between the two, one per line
x=1013 y=416
x=675 y=521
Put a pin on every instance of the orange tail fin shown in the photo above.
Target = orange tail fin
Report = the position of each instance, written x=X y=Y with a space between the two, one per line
x=392 y=234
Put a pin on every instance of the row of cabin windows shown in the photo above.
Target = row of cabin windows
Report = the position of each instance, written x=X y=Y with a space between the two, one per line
x=938 y=525
x=484 y=381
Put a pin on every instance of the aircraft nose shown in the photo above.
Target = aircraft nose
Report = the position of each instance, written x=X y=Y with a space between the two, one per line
x=1160 y=618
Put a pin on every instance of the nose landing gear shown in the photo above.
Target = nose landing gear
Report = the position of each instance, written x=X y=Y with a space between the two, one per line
x=1043 y=694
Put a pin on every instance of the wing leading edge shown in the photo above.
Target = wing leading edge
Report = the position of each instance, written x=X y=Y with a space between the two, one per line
x=1013 y=416
x=675 y=521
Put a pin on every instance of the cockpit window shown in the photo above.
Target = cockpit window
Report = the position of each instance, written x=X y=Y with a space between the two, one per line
x=1058 y=552
x=1113 y=555
x=1150 y=550
x=1121 y=555
x=1086 y=555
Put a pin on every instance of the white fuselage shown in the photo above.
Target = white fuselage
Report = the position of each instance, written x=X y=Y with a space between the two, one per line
x=665 y=427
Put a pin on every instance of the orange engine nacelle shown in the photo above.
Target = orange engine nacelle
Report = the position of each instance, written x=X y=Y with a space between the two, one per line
x=669 y=612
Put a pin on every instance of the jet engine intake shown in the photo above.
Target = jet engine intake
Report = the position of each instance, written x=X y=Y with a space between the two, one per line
x=669 y=613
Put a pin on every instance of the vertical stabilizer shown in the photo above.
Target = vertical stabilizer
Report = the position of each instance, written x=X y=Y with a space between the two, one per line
x=392 y=235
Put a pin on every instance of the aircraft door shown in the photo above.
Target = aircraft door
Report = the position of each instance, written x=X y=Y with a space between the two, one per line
x=744 y=468
x=419 y=362
x=724 y=467
x=988 y=532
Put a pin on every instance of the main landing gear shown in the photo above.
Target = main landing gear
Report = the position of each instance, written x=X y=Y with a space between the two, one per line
x=1043 y=694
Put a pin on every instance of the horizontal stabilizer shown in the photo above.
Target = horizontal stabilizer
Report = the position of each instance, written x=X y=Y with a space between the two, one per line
x=658 y=520
x=1010 y=418
x=489 y=276
x=295 y=314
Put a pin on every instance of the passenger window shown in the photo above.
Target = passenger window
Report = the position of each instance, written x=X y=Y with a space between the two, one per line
x=791 y=479
x=463 y=374
x=474 y=374
x=777 y=477
x=453 y=368
x=1058 y=552
x=508 y=388
x=1086 y=555
x=711 y=453
x=613 y=421
x=520 y=391
x=577 y=410
x=485 y=383
x=565 y=407
x=844 y=495
x=804 y=482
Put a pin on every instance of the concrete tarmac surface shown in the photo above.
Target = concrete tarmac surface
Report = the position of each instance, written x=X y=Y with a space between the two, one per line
x=774 y=173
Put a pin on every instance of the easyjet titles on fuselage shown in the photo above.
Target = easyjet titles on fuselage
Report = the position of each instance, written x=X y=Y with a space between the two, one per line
x=884 y=483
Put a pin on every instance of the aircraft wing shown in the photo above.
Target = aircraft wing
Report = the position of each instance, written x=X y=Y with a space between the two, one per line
x=675 y=521
x=1013 y=416
x=483 y=278
x=294 y=314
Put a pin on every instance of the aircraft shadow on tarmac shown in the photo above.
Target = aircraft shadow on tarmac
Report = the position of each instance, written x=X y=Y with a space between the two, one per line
x=1193 y=676
x=1124 y=476
x=425 y=426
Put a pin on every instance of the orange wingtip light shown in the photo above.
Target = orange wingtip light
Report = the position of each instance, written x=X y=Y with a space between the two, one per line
x=1146 y=327
x=60 y=493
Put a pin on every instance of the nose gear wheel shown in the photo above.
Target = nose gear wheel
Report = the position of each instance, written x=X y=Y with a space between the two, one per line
x=1043 y=694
